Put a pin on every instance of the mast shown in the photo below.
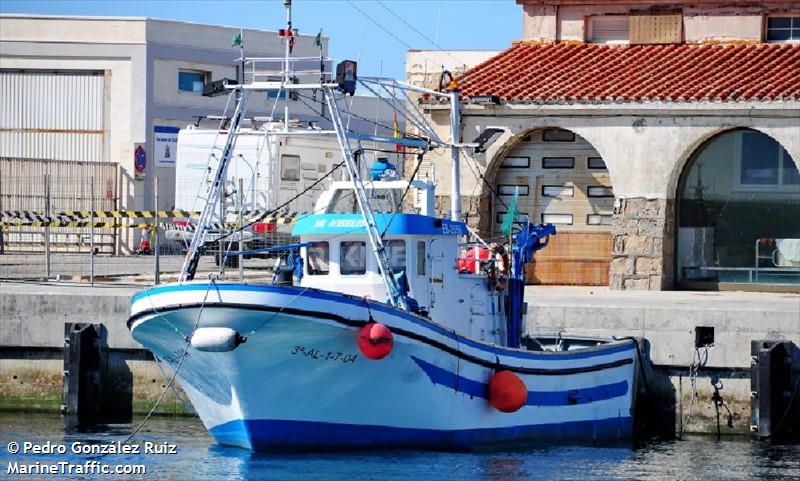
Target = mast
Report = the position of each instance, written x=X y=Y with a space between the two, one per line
x=287 y=52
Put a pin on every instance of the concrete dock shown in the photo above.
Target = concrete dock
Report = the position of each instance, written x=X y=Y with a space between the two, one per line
x=32 y=318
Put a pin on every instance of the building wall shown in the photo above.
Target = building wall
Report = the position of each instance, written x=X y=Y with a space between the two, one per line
x=702 y=21
x=645 y=150
x=140 y=59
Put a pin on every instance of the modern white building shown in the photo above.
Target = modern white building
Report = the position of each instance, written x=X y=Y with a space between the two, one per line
x=79 y=96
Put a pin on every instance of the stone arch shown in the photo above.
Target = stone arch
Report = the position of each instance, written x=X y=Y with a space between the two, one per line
x=737 y=196
x=562 y=179
x=783 y=138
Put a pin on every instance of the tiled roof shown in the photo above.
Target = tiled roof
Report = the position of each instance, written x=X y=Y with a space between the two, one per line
x=588 y=73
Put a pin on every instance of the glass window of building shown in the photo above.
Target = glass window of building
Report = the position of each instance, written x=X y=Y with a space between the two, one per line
x=191 y=81
x=739 y=213
x=290 y=167
x=783 y=29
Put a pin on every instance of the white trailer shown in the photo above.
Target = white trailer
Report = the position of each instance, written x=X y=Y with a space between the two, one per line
x=273 y=168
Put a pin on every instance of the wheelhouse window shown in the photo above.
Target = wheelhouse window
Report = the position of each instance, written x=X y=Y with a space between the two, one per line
x=353 y=258
x=191 y=81
x=421 y=258
x=396 y=250
x=318 y=259
x=783 y=29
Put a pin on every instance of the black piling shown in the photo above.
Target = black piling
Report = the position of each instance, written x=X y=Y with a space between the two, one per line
x=775 y=390
x=97 y=387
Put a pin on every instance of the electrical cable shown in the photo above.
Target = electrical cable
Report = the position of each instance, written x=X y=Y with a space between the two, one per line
x=409 y=25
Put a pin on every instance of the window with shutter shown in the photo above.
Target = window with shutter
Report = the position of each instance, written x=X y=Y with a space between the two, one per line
x=609 y=29
x=656 y=29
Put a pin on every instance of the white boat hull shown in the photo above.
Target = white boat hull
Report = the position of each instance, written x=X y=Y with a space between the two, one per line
x=299 y=379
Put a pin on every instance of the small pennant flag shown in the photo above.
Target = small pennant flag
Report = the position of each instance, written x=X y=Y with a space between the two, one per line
x=508 y=220
x=396 y=133
x=237 y=39
x=318 y=40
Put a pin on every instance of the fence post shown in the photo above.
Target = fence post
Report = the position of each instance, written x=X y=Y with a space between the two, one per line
x=47 y=229
x=156 y=255
x=239 y=200
x=91 y=230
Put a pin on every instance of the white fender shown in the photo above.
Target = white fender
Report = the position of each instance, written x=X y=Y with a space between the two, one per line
x=215 y=339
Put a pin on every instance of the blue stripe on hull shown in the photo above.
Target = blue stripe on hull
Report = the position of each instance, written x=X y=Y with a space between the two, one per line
x=270 y=435
x=571 y=397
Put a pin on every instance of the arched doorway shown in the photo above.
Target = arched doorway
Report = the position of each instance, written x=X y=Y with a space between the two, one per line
x=561 y=179
x=739 y=213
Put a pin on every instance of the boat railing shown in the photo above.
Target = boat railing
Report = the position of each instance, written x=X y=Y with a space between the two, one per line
x=299 y=70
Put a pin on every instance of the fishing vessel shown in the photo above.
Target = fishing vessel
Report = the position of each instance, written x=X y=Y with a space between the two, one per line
x=393 y=331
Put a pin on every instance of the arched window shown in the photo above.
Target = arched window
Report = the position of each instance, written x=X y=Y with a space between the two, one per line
x=739 y=212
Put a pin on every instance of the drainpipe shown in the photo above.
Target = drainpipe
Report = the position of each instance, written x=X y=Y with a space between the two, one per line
x=455 y=128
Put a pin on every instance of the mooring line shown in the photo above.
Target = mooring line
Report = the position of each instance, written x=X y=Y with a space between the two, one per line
x=174 y=373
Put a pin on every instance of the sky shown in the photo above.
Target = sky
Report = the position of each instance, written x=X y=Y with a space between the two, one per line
x=446 y=24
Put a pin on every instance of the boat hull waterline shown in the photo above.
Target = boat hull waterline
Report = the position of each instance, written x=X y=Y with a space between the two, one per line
x=299 y=380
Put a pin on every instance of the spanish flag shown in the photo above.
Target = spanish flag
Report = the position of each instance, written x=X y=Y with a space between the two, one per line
x=396 y=128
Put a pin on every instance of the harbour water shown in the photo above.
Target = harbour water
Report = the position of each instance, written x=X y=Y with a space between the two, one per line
x=180 y=449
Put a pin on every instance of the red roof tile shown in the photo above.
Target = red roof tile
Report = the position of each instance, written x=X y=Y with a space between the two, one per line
x=587 y=73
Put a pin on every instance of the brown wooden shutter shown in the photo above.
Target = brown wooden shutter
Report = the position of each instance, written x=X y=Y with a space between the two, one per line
x=656 y=29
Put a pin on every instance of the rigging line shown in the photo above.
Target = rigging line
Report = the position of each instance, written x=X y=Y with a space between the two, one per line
x=378 y=124
x=177 y=368
x=419 y=120
x=400 y=203
x=402 y=112
x=276 y=209
x=389 y=32
x=409 y=25
x=481 y=177
x=358 y=60
x=212 y=155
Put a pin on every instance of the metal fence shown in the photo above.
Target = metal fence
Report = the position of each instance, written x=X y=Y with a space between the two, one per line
x=34 y=192
x=46 y=187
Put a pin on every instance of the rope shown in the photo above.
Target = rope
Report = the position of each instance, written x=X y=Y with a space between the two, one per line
x=174 y=373
x=698 y=362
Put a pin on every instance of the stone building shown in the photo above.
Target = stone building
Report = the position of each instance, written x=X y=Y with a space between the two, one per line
x=661 y=137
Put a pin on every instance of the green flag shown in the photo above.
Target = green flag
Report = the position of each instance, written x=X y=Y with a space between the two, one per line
x=237 y=39
x=508 y=220
x=318 y=40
